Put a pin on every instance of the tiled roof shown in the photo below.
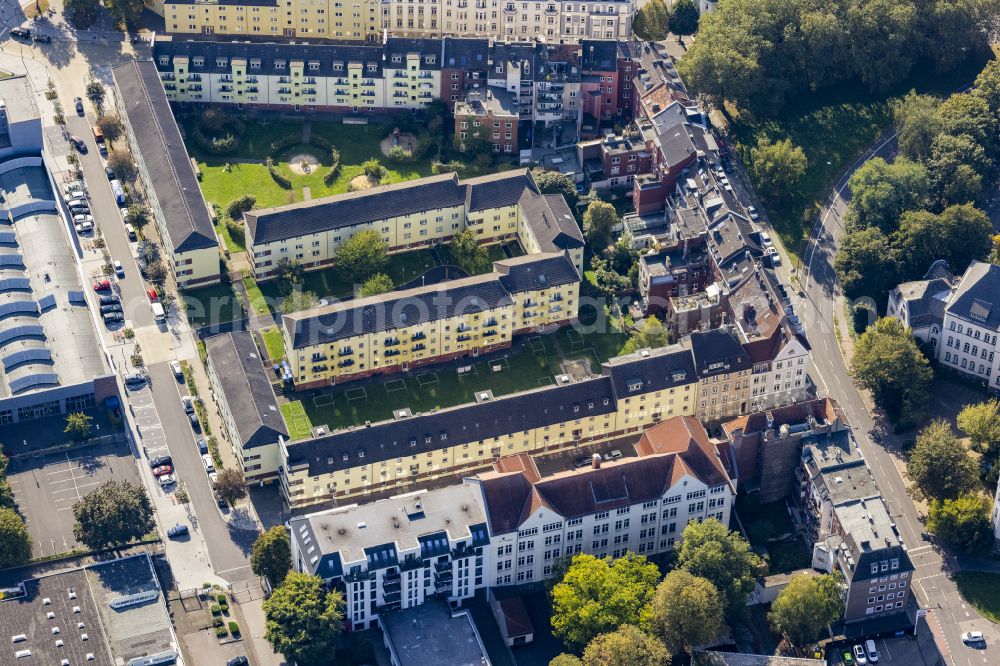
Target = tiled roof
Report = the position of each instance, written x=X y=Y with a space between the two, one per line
x=686 y=437
x=718 y=352
x=534 y=272
x=551 y=222
x=498 y=189
x=977 y=297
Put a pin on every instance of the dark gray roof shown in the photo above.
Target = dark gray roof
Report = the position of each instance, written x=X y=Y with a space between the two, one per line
x=651 y=370
x=599 y=55
x=353 y=208
x=466 y=53
x=551 y=221
x=161 y=150
x=536 y=271
x=399 y=46
x=458 y=425
x=399 y=309
x=498 y=189
x=251 y=3
x=925 y=300
x=267 y=53
x=246 y=388
x=977 y=298
x=718 y=352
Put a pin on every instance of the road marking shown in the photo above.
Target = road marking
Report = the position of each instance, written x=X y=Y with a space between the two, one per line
x=219 y=573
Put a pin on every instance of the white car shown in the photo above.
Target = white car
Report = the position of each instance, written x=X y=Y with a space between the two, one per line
x=175 y=367
x=167 y=480
x=765 y=238
x=213 y=478
x=75 y=186
x=78 y=195
x=872 y=652
x=753 y=213
x=209 y=465
x=859 y=656
x=973 y=637
x=84 y=227
x=124 y=212
x=119 y=269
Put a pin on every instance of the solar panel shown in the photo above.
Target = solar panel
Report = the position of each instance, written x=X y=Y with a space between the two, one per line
x=33 y=380
x=11 y=259
x=76 y=297
x=19 y=307
x=28 y=330
x=8 y=238
x=11 y=361
x=15 y=284
x=47 y=301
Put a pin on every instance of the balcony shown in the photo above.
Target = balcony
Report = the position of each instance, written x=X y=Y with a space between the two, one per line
x=442 y=567
x=345 y=352
x=319 y=368
x=346 y=364
x=490 y=333
x=392 y=352
x=253 y=89
x=194 y=77
x=167 y=77
x=391 y=597
x=418 y=347
x=226 y=78
x=419 y=335
x=316 y=358
x=463 y=338
x=391 y=342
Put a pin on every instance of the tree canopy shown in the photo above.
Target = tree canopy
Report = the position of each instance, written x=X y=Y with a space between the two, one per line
x=113 y=515
x=683 y=19
x=626 y=646
x=939 y=465
x=271 y=556
x=959 y=234
x=888 y=363
x=303 y=621
x=963 y=522
x=15 y=542
x=467 y=253
x=981 y=422
x=597 y=596
x=686 y=611
x=362 y=255
x=238 y=206
x=651 y=335
x=804 y=609
x=882 y=191
x=650 y=22
x=777 y=166
x=598 y=221
x=864 y=263
x=231 y=485
x=553 y=182
x=916 y=120
x=710 y=550
x=380 y=283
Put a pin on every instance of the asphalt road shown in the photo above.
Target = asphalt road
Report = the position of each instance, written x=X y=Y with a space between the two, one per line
x=104 y=208
x=950 y=616
x=228 y=548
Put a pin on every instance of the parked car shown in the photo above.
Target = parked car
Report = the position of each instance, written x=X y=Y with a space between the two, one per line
x=175 y=367
x=80 y=145
x=202 y=445
x=238 y=661
x=102 y=285
x=76 y=195
x=213 y=478
x=102 y=148
x=160 y=460
x=195 y=423
x=209 y=465
x=859 y=656
x=973 y=637
x=765 y=238
x=109 y=300
x=124 y=213
x=43 y=39
x=152 y=295
x=135 y=380
x=83 y=217
x=847 y=657
x=79 y=208
x=78 y=103
x=177 y=531
x=130 y=230
x=20 y=33
x=84 y=227
x=872 y=652
x=109 y=172
x=73 y=186
x=613 y=455
x=113 y=317
x=754 y=215
x=188 y=404
x=111 y=307
x=163 y=469
x=167 y=480
x=119 y=269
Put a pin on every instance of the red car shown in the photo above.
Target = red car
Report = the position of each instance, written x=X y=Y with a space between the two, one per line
x=102 y=285
x=162 y=469
x=152 y=295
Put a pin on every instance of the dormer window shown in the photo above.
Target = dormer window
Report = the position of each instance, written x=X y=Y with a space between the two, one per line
x=397 y=58
x=313 y=65
x=279 y=64
x=431 y=59
x=197 y=61
x=372 y=67
x=254 y=63
x=338 y=66
x=164 y=60
x=220 y=62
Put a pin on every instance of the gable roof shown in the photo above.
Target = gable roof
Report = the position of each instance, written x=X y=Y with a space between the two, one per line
x=718 y=352
x=977 y=297
x=686 y=437
x=551 y=222
x=532 y=272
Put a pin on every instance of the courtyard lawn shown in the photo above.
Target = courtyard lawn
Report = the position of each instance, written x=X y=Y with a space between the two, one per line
x=982 y=590
x=258 y=303
x=213 y=305
x=597 y=339
x=521 y=371
x=274 y=343
x=234 y=244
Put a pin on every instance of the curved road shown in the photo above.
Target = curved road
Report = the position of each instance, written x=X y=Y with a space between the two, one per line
x=949 y=615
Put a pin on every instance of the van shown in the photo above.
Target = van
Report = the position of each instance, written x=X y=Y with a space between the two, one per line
x=131 y=232
x=118 y=191
x=159 y=315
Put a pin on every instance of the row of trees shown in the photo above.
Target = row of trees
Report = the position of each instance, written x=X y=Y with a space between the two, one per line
x=15 y=543
x=920 y=208
x=759 y=54
x=655 y=21
x=620 y=611
x=948 y=477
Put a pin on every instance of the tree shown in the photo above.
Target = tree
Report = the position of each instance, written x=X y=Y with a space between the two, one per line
x=627 y=646
x=881 y=192
x=468 y=254
x=650 y=22
x=138 y=217
x=147 y=251
x=888 y=363
x=303 y=622
x=124 y=10
x=994 y=257
x=111 y=127
x=236 y=207
x=939 y=465
x=374 y=170
x=271 y=556
x=965 y=114
x=121 y=162
x=958 y=235
x=597 y=596
x=79 y=425
x=957 y=165
x=299 y=300
x=288 y=275
x=599 y=220
x=115 y=514
x=553 y=182
x=95 y=93
x=156 y=272
x=684 y=17
x=15 y=542
x=363 y=255
x=777 y=167
x=651 y=335
x=709 y=550
x=380 y=283
x=231 y=485
x=981 y=422
x=6 y=493
x=686 y=611
x=136 y=358
x=864 y=263
x=917 y=123
x=963 y=522
x=83 y=12
x=806 y=607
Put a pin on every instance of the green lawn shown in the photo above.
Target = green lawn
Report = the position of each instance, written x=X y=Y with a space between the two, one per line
x=234 y=244
x=257 y=301
x=274 y=342
x=599 y=339
x=520 y=372
x=227 y=177
x=216 y=304
x=982 y=590
x=834 y=127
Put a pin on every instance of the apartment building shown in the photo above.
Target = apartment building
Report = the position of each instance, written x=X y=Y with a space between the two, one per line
x=491 y=116
x=670 y=275
x=510 y=526
x=367 y=20
x=402 y=74
x=415 y=214
x=397 y=553
x=178 y=209
x=632 y=392
x=614 y=161
x=920 y=304
x=639 y=505
x=406 y=329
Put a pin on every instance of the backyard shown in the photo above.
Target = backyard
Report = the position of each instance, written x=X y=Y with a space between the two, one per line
x=770 y=531
x=213 y=305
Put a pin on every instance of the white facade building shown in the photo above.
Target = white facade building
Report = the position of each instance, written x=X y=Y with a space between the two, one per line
x=971 y=325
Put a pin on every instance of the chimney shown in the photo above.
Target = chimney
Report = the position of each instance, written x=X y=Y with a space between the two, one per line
x=595 y=461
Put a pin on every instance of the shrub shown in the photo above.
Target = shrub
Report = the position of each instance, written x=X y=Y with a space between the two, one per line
x=334 y=171
x=221 y=598
x=218 y=622
x=234 y=628
x=278 y=178
x=400 y=154
x=221 y=632
x=224 y=608
x=216 y=609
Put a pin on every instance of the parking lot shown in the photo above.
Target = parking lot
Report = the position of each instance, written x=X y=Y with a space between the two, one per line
x=901 y=651
x=46 y=487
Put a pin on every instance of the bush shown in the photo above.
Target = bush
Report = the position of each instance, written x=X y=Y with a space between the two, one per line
x=234 y=628
x=218 y=622
x=221 y=598
x=221 y=632
x=334 y=171
x=217 y=132
x=216 y=609
x=278 y=178
x=224 y=608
